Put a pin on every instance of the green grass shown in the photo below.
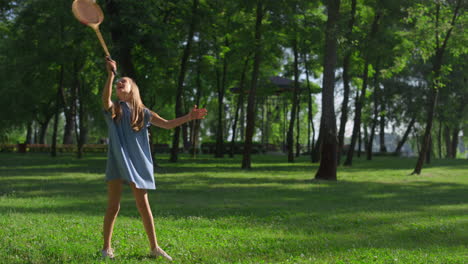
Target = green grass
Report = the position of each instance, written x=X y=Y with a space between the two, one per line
x=210 y=211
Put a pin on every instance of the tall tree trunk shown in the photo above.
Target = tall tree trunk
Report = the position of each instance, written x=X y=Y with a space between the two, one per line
x=328 y=161
x=455 y=133
x=439 y=139
x=377 y=100
x=436 y=71
x=246 y=160
x=310 y=113
x=43 y=129
x=221 y=89
x=316 y=151
x=53 y=152
x=429 y=152
x=361 y=99
x=242 y=121
x=185 y=134
x=383 y=109
x=262 y=127
x=298 y=132
x=376 y=115
x=70 y=112
x=448 y=145
x=290 y=136
x=285 y=113
x=267 y=128
x=240 y=104
x=372 y=131
x=359 y=143
x=119 y=35
x=180 y=82
x=366 y=136
x=36 y=135
x=196 y=124
x=53 y=149
x=29 y=133
x=405 y=136
x=82 y=134
x=346 y=80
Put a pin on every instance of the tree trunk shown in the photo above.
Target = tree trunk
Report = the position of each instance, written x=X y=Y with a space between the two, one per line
x=429 y=152
x=454 y=147
x=185 y=134
x=309 y=103
x=376 y=116
x=43 y=129
x=246 y=160
x=53 y=152
x=82 y=134
x=366 y=136
x=240 y=104
x=180 y=82
x=328 y=161
x=360 y=142
x=242 y=121
x=119 y=34
x=405 y=136
x=70 y=112
x=267 y=127
x=262 y=130
x=383 y=108
x=53 y=149
x=360 y=101
x=29 y=133
x=221 y=89
x=196 y=123
x=448 y=144
x=434 y=90
x=346 y=80
x=439 y=139
x=316 y=151
x=370 y=143
x=290 y=136
x=36 y=135
x=298 y=132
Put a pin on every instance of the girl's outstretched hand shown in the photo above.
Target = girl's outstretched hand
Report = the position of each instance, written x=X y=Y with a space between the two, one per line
x=198 y=113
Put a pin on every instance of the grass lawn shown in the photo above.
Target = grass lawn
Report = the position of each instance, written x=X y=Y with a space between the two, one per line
x=210 y=211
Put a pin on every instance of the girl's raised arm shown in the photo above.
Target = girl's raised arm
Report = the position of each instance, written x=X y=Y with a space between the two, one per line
x=107 y=90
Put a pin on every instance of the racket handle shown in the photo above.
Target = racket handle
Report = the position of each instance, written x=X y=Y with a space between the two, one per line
x=103 y=44
x=101 y=40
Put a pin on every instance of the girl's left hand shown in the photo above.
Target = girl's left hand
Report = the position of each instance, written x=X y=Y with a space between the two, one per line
x=198 y=113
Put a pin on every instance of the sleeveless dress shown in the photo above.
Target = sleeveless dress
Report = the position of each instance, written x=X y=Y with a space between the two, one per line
x=129 y=152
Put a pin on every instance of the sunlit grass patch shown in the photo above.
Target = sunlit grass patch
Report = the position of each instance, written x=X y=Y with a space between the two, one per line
x=208 y=210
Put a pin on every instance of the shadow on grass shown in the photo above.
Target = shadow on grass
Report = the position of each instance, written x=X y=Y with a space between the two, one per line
x=292 y=203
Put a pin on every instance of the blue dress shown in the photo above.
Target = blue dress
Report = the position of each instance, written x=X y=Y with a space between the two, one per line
x=129 y=152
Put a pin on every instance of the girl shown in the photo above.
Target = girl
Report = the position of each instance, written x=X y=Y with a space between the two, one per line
x=129 y=157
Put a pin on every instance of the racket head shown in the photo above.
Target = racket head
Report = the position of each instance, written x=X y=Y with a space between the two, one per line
x=87 y=12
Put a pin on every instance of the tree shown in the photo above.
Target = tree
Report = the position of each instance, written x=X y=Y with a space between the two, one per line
x=346 y=78
x=360 y=99
x=328 y=162
x=246 y=160
x=181 y=78
x=441 y=40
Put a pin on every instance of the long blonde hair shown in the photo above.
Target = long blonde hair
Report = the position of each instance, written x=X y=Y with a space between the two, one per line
x=137 y=120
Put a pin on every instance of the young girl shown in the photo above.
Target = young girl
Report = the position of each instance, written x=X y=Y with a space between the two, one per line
x=129 y=156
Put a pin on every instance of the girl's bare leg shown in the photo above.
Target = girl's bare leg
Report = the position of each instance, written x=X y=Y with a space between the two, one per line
x=113 y=206
x=141 y=198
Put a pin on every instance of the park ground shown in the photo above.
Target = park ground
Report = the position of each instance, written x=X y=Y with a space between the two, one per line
x=208 y=210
